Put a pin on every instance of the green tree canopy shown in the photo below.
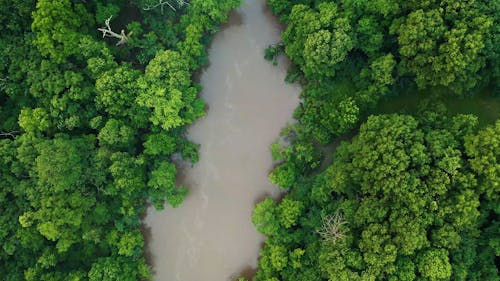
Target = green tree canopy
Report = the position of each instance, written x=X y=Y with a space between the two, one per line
x=399 y=201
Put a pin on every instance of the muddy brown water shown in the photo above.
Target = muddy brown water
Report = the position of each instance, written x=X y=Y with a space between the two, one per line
x=210 y=237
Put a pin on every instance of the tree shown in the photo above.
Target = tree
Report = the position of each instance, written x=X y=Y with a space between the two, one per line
x=289 y=212
x=265 y=218
x=116 y=134
x=34 y=120
x=165 y=88
x=318 y=40
x=434 y=265
x=484 y=150
x=57 y=25
x=117 y=90
x=117 y=268
x=439 y=54
x=162 y=185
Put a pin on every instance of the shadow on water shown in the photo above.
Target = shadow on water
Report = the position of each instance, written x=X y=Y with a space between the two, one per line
x=261 y=197
x=148 y=236
x=148 y=255
x=236 y=18
x=272 y=18
x=248 y=273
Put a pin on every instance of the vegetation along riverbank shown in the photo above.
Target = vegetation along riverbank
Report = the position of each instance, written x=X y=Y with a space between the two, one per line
x=414 y=195
x=93 y=99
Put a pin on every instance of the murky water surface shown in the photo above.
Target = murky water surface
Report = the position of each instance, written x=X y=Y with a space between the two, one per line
x=210 y=236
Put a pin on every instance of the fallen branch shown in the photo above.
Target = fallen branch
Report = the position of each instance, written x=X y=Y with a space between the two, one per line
x=9 y=134
x=108 y=32
x=163 y=3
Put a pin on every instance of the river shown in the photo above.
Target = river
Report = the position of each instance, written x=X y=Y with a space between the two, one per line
x=210 y=237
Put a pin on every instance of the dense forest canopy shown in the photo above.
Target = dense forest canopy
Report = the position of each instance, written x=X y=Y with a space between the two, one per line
x=352 y=54
x=95 y=96
x=93 y=99
x=411 y=196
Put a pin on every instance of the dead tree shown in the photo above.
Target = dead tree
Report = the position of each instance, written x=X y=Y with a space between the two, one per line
x=163 y=3
x=9 y=134
x=333 y=228
x=123 y=39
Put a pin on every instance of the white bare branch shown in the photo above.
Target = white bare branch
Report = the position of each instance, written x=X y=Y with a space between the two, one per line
x=9 y=134
x=333 y=228
x=163 y=3
x=123 y=38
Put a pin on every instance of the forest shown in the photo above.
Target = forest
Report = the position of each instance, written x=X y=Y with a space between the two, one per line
x=412 y=194
x=94 y=97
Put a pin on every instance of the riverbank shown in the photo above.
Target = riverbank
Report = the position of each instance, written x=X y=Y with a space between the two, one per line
x=210 y=236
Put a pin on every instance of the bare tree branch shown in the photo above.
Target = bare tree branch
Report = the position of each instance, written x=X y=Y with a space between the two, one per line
x=9 y=134
x=108 y=32
x=333 y=228
x=163 y=3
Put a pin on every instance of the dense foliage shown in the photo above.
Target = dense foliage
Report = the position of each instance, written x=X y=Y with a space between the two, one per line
x=407 y=199
x=87 y=129
x=352 y=54
x=411 y=196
